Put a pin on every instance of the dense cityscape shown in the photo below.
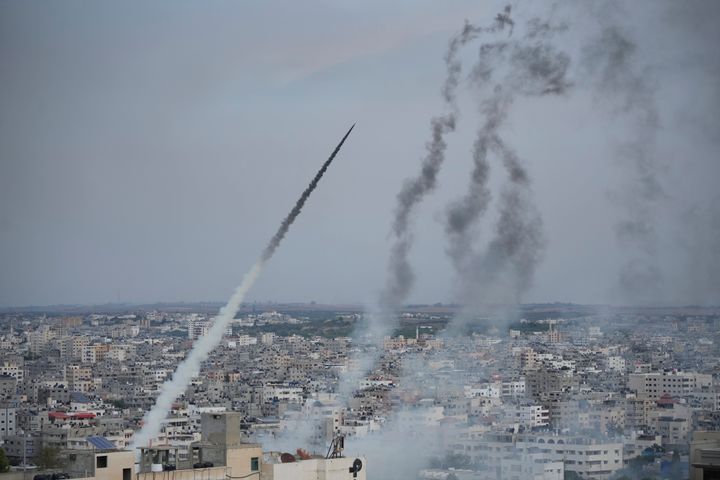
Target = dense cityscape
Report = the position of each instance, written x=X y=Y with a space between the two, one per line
x=559 y=391
x=344 y=240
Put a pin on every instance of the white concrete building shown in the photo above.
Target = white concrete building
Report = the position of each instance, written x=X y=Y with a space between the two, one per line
x=197 y=326
x=245 y=340
x=344 y=468
x=615 y=362
x=531 y=416
x=282 y=393
x=531 y=467
x=7 y=421
x=492 y=390
x=12 y=369
x=654 y=385
x=515 y=388
x=589 y=458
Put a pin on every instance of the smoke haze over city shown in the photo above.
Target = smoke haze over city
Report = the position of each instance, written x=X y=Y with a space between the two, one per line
x=510 y=271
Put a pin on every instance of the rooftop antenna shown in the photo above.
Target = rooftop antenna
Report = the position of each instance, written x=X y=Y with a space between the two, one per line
x=336 y=447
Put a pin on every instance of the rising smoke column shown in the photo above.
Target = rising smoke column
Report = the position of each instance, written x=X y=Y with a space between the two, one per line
x=529 y=66
x=504 y=270
x=463 y=213
x=611 y=62
x=400 y=275
x=190 y=366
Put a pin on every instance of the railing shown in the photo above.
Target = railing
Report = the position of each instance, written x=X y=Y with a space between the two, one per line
x=210 y=473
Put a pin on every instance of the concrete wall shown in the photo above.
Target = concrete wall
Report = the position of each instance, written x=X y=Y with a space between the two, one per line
x=116 y=463
x=221 y=428
x=704 y=455
x=314 y=469
x=213 y=473
x=239 y=460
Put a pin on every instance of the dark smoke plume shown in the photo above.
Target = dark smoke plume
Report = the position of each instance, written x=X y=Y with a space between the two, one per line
x=514 y=252
x=462 y=214
x=400 y=275
x=530 y=66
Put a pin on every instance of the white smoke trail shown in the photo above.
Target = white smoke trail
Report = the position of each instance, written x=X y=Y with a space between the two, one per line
x=189 y=367
x=174 y=387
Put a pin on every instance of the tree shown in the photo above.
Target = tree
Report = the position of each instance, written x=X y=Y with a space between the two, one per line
x=4 y=464
x=47 y=458
x=119 y=404
x=571 y=475
x=456 y=460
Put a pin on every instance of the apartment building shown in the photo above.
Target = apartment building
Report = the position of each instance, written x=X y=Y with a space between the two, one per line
x=588 y=457
x=654 y=385
x=7 y=421
x=13 y=368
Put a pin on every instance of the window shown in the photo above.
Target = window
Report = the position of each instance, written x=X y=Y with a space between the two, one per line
x=254 y=464
x=127 y=474
x=101 y=461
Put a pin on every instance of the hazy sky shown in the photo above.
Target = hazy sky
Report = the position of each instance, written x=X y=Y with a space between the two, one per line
x=148 y=150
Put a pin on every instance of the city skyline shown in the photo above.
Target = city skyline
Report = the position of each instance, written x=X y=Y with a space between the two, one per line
x=416 y=240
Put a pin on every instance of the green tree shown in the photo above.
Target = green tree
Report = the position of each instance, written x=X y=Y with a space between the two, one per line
x=47 y=458
x=571 y=475
x=4 y=464
x=120 y=404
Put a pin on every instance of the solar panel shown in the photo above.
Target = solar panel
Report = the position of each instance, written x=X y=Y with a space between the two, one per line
x=101 y=443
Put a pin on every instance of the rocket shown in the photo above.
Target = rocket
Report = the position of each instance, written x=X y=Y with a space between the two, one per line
x=343 y=139
x=285 y=225
x=337 y=149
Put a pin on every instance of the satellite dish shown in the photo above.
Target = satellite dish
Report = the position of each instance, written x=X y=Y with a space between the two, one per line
x=356 y=466
x=287 y=458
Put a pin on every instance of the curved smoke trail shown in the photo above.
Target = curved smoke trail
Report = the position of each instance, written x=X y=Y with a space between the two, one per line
x=400 y=277
x=528 y=66
x=190 y=366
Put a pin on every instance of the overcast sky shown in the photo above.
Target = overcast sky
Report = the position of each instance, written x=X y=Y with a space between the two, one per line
x=148 y=150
